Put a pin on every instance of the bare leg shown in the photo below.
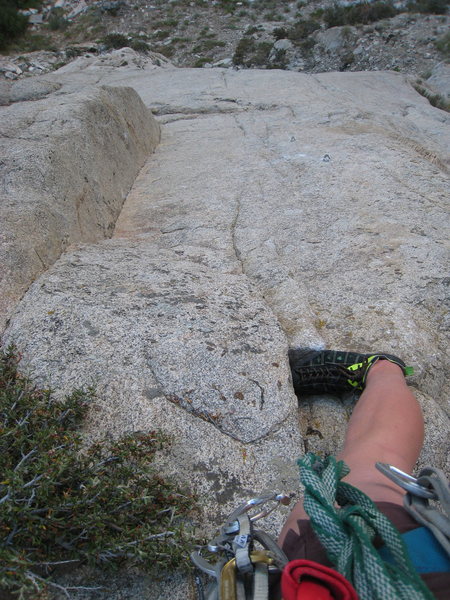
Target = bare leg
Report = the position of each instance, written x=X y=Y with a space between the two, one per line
x=386 y=426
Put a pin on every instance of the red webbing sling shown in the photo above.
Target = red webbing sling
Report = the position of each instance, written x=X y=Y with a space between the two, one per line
x=308 y=580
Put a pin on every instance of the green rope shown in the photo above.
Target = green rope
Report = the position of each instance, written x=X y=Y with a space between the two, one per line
x=347 y=533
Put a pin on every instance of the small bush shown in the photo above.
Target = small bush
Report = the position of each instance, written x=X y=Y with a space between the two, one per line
x=250 y=53
x=361 y=13
x=302 y=29
x=61 y=505
x=167 y=51
x=34 y=42
x=280 y=33
x=201 y=62
x=347 y=60
x=443 y=44
x=139 y=45
x=115 y=41
x=12 y=23
x=162 y=34
x=206 y=45
x=434 y=7
x=245 y=46
x=166 y=23
x=73 y=52
x=252 y=30
x=229 y=6
x=273 y=16
x=307 y=45
x=279 y=60
x=57 y=21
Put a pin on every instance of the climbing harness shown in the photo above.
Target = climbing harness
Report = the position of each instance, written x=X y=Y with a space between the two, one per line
x=347 y=532
x=429 y=545
x=242 y=560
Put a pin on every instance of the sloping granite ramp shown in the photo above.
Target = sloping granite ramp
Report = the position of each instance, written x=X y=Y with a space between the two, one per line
x=278 y=209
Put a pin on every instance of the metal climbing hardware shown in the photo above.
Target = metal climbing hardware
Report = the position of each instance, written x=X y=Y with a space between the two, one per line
x=405 y=481
x=348 y=535
x=244 y=560
x=431 y=484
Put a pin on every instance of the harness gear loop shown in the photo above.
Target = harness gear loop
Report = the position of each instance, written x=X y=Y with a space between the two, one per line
x=431 y=484
x=347 y=533
x=438 y=522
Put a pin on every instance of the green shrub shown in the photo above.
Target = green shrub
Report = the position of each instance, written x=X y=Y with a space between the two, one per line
x=302 y=29
x=229 y=6
x=167 y=51
x=57 y=21
x=361 y=13
x=279 y=60
x=31 y=42
x=12 y=23
x=273 y=16
x=139 y=45
x=62 y=504
x=115 y=40
x=201 y=62
x=279 y=33
x=206 y=45
x=443 y=44
x=347 y=60
x=250 y=53
x=165 y=23
x=251 y=30
x=245 y=46
x=307 y=45
x=434 y=7
x=163 y=34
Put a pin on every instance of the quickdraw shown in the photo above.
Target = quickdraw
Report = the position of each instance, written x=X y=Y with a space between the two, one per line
x=241 y=571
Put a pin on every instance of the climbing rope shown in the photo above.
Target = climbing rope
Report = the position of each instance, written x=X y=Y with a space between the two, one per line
x=347 y=533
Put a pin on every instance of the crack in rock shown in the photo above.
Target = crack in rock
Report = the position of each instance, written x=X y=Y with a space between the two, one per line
x=262 y=399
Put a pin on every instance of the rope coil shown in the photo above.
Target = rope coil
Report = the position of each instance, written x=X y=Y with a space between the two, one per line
x=347 y=532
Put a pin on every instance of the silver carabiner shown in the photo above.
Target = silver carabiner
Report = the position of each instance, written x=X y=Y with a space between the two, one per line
x=277 y=498
x=405 y=481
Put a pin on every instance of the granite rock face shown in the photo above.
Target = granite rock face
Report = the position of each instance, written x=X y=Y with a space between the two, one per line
x=279 y=209
x=69 y=162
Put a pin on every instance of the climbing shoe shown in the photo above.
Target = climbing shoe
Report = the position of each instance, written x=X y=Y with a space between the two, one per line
x=334 y=372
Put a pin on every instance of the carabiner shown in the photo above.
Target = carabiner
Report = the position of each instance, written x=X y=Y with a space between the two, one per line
x=277 y=498
x=405 y=481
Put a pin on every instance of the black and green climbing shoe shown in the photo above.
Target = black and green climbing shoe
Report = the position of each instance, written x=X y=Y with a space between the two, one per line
x=334 y=372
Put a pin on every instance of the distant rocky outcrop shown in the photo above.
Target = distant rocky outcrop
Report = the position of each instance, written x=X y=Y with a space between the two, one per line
x=279 y=209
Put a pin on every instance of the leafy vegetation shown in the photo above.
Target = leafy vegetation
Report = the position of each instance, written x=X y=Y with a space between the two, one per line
x=443 y=45
x=434 y=7
x=302 y=29
x=57 y=21
x=355 y=14
x=206 y=45
x=250 y=53
x=115 y=41
x=65 y=505
x=12 y=23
